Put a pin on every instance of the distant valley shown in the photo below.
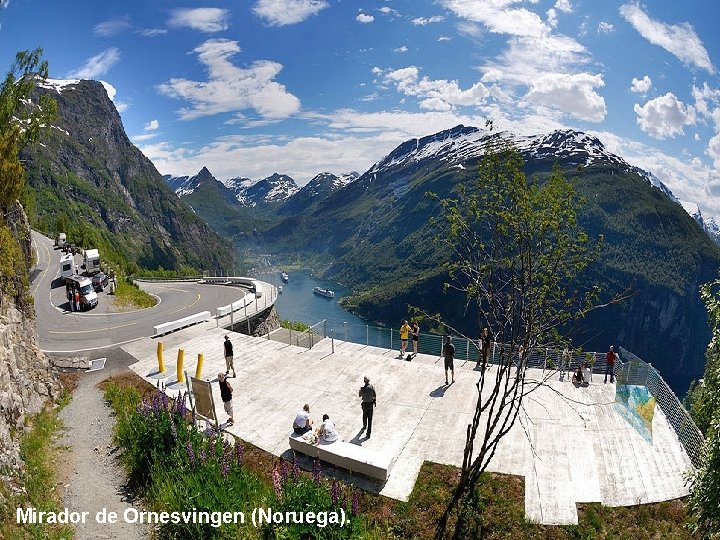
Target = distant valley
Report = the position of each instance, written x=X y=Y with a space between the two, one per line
x=371 y=233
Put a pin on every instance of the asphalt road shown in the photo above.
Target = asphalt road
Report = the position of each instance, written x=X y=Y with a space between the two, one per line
x=62 y=331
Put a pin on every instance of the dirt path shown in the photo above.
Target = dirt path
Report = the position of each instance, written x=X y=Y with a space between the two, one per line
x=91 y=476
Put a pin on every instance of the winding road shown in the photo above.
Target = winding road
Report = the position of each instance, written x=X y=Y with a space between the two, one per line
x=62 y=331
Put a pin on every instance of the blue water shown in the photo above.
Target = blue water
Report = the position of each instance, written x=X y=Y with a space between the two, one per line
x=297 y=302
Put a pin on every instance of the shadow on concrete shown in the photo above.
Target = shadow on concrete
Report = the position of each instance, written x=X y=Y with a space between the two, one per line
x=439 y=391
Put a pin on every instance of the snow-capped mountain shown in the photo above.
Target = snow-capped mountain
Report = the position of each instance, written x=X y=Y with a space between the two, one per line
x=273 y=189
x=315 y=191
x=185 y=185
x=461 y=144
x=710 y=225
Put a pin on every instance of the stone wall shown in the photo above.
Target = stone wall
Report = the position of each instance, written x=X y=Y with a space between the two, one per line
x=27 y=380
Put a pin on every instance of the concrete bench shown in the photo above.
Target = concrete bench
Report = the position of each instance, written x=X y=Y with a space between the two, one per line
x=346 y=455
x=171 y=326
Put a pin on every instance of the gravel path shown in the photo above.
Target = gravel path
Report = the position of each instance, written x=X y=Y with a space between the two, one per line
x=91 y=476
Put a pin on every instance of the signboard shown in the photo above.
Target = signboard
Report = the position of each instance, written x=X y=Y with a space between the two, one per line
x=202 y=396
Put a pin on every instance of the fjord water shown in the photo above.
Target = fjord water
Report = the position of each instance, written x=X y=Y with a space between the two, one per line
x=297 y=302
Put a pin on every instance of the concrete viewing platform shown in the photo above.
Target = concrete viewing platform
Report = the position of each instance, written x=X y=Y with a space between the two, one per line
x=570 y=444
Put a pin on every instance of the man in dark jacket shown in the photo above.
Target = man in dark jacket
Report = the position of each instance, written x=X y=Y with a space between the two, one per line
x=368 y=401
x=229 y=356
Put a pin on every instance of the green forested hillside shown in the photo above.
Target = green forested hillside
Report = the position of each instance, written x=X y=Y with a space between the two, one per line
x=88 y=180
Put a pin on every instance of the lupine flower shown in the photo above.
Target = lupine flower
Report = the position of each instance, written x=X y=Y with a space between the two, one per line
x=283 y=471
x=190 y=452
x=335 y=491
x=355 y=509
x=203 y=455
x=173 y=429
x=317 y=471
x=239 y=453
x=224 y=467
x=295 y=469
x=277 y=483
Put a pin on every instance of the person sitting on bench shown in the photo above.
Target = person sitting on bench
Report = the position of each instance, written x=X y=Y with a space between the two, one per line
x=327 y=432
x=578 y=375
x=303 y=423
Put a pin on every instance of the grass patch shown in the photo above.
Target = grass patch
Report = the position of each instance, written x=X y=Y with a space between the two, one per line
x=496 y=511
x=128 y=295
x=38 y=479
x=295 y=325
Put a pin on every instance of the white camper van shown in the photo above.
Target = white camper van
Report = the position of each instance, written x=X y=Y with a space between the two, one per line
x=92 y=261
x=67 y=267
x=88 y=297
x=61 y=240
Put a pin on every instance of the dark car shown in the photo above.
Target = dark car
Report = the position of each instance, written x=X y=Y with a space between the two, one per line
x=99 y=281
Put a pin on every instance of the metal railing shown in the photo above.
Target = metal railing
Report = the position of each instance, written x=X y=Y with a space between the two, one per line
x=311 y=336
x=644 y=374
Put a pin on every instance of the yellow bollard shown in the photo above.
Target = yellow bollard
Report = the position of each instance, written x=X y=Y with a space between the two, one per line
x=198 y=370
x=181 y=359
x=161 y=364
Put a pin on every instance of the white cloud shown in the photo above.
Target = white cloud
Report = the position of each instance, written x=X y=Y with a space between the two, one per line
x=435 y=95
x=401 y=49
x=97 y=65
x=144 y=137
x=206 y=20
x=641 y=86
x=444 y=38
x=284 y=12
x=364 y=18
x=572 y=94
x=679 y=40
x=564 y=6
x=605 y=28
x=499 y=17
x=152 y=125
x=113 y=27
x=552 y=17
x=4 y=3
x=707 y=102
x=389 y=11
x=664 y=116
x=152 y=32
x=230 y=88
x=423 y=21
x=714 y=150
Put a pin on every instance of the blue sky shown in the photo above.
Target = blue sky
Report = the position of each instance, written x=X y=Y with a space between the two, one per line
x=305 y=86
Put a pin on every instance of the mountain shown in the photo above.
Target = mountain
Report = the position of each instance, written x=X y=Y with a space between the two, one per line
x=315 y=192
x=374 y=235
x=88 y=178
x=710 y=225
x=270 y=191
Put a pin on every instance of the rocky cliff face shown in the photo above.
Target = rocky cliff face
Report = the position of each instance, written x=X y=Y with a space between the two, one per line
x=86 y=168
x=27 y=380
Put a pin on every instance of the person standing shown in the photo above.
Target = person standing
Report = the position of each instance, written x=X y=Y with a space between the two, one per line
x=77 y=300
x=229 y=356
x=404 y=332
x=415 y=337
x=486 y=341
x=226 y=392
x=610 y=357
x=565 y=362
x=449 y=356
x=368 y=402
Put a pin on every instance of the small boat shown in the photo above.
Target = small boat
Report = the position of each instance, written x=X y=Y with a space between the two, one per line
x=324 y=292
x=284 y=276
x=279 y=289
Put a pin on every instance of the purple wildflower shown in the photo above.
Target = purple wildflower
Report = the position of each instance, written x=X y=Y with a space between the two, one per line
x=224 y=466
x=317 y=471
x=203 y=455
x=355 y=509
x=277 y=484
x=190 y=452
x=173 y=429
x=295 y=473
x=283 y=471
x=335 y=491
x=239 y=453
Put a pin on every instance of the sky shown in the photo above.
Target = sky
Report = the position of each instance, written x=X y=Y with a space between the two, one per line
x=250 y=88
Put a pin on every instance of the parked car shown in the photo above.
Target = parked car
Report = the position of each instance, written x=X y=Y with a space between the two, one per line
x=99 y=281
